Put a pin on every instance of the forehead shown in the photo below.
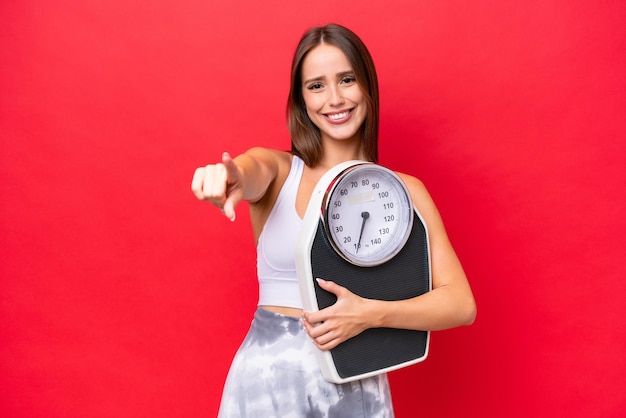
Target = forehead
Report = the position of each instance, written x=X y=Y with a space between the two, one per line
x=324 y=60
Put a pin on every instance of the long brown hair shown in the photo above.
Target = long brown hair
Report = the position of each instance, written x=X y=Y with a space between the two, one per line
x=305 y=136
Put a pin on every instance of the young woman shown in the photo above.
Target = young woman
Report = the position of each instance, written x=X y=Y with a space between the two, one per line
x=332 y=118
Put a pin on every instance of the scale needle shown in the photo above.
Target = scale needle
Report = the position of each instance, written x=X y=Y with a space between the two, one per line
x=365 y=216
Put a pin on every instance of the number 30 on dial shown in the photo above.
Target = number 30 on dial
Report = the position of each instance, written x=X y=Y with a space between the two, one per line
x=368 y=214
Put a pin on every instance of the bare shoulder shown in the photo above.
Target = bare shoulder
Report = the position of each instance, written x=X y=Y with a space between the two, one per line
x=266 y=165
x=421 y=199
x=281 y=160
x=416 y=187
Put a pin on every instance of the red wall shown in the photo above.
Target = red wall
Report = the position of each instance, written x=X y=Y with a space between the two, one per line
x=122 y=296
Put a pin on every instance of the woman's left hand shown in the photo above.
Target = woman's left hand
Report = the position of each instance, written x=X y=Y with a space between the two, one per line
x=335 y=324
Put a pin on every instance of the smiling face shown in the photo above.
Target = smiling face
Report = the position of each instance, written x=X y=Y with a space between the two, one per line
x=333 y=98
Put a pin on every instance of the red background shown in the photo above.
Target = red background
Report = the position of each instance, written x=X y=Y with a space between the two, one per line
x=123 y=296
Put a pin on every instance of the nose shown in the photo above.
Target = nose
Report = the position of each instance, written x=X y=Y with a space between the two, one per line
x=335 y=96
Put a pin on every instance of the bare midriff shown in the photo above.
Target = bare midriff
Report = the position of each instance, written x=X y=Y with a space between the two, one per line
x=295 y=312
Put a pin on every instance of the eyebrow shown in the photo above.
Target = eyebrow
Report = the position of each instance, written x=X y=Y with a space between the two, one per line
x=320 y=78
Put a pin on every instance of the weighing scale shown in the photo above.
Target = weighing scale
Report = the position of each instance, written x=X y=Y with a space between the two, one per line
x=362 y=231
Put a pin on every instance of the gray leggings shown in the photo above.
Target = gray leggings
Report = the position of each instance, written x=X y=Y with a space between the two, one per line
x=275 y=374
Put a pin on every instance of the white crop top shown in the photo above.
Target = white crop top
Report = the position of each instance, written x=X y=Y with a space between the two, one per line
x=276 y=265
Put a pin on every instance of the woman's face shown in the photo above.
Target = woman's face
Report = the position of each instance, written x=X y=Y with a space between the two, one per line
x=334 y=101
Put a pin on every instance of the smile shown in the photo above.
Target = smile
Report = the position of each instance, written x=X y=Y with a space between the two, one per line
x=338 y=117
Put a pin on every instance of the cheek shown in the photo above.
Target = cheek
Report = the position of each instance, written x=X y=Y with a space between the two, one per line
x=358 y=97
x=363 y=106
x=312 y=103
x=312 y=110
x=309 y=106
x=314 y=118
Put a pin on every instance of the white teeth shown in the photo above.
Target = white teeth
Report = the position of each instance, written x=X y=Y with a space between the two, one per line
x=337 y=116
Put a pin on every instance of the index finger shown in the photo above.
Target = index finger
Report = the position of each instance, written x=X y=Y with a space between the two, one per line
x=232 y=172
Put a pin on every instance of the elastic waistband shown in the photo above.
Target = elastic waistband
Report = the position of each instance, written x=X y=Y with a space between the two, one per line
x=269 y=320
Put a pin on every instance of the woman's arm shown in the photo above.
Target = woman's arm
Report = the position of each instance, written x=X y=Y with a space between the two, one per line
x=246 y=177
x=449 y=304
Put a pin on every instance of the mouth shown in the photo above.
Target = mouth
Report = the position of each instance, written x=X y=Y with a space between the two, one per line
x=338 y=117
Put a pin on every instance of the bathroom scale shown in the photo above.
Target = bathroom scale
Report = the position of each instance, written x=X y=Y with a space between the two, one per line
x=362 y=231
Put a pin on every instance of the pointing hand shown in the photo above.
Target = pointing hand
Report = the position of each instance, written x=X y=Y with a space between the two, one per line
x=219 y=184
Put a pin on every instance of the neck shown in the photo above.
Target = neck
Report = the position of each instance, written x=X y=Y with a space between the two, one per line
x=338 y=152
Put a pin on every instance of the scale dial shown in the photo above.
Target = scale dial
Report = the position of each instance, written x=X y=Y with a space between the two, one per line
x=368 y=214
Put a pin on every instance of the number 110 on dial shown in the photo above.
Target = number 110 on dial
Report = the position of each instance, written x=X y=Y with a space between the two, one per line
x=368 y=214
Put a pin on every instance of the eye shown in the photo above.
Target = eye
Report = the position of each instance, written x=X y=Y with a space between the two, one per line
x=314 y=86
x=349 y=79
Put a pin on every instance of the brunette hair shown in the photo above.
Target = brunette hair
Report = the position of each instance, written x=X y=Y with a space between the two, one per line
x=305 y=136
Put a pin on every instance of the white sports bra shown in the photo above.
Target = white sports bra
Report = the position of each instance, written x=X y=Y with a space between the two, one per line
x=276 y=265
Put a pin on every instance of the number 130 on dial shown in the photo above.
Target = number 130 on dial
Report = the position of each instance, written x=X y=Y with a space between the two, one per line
x=368 y=214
